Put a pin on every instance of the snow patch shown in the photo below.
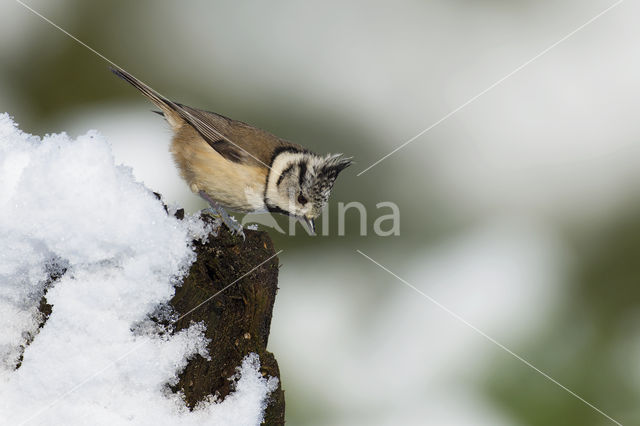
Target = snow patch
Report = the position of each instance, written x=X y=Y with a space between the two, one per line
x=67 y=210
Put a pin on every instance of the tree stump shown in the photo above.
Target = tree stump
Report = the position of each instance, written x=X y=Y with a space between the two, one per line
x=237 y=316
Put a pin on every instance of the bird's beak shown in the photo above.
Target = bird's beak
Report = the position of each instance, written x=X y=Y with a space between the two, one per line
x=311 y=225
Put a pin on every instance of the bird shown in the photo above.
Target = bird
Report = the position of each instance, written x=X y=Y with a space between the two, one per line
x=233 y=165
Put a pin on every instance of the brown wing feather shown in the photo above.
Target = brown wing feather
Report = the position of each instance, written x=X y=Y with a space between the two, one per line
x=234 y=140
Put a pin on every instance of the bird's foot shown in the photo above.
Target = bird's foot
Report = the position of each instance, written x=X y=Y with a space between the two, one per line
x=234 y=226
x=216 y=210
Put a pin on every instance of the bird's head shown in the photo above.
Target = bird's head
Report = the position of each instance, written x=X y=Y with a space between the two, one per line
x=300 y=183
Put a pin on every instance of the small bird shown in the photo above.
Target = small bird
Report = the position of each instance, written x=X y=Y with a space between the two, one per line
x=233 y=165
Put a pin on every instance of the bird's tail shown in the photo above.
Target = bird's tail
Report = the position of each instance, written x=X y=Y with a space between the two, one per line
x=167 y=107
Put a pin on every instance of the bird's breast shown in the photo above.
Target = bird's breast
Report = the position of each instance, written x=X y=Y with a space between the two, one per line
x=237 y=186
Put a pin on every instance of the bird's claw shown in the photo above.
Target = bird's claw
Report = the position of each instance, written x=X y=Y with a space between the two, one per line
x=233 y=225
x=236 y=228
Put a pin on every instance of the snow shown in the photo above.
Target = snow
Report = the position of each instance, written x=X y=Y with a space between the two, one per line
x=66 y=208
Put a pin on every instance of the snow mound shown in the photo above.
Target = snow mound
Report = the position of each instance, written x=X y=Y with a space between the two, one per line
x=67 y=210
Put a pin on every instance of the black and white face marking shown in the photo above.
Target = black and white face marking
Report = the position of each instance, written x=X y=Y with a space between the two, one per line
x=299 y=183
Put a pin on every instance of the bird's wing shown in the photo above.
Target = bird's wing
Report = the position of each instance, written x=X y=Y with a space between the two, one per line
x=234 y=140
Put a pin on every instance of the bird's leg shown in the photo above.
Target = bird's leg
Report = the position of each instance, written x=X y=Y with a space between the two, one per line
x=218 y=211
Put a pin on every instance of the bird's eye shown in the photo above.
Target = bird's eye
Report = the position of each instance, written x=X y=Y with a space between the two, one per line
x=301 y=199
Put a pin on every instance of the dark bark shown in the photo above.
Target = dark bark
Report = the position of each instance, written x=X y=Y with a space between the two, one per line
x=237 y=318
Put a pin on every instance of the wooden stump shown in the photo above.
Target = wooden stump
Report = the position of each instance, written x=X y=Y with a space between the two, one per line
x=237 y=318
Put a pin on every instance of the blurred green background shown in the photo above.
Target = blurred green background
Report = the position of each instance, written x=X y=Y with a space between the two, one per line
x=520 y=212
